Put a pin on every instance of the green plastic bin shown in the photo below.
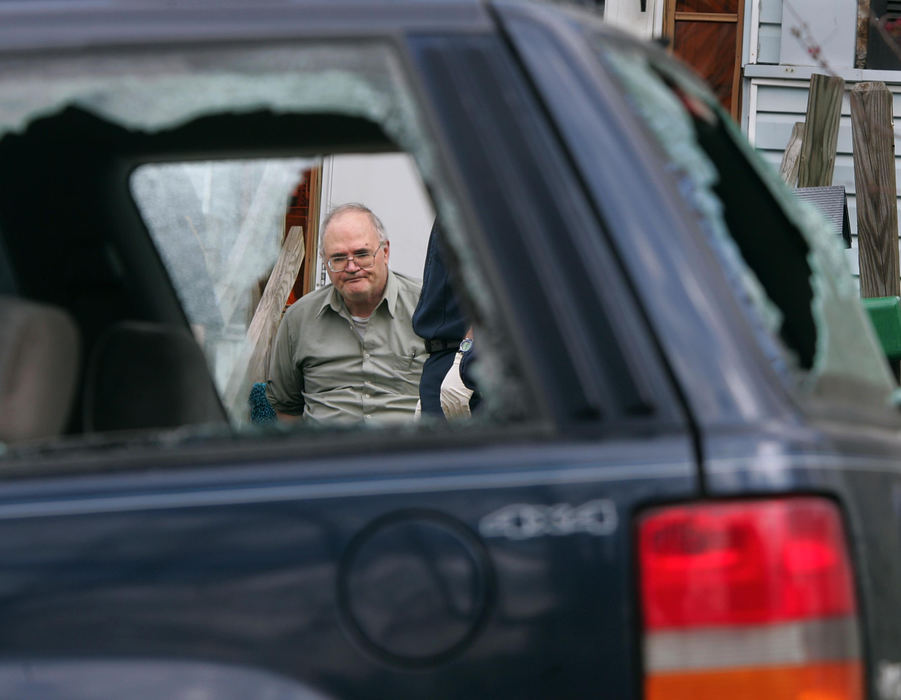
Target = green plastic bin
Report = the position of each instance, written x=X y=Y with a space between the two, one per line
x=885 y=313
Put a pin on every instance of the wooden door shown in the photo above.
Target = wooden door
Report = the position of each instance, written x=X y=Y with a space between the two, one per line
x=706 y=34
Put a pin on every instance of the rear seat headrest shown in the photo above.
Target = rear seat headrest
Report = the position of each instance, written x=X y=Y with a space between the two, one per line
x=40 y=352
x=147 y=375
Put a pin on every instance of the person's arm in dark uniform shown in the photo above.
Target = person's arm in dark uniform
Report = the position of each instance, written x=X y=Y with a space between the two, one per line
x=439 y=320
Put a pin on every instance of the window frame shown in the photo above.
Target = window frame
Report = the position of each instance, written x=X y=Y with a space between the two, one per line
x=568 y=411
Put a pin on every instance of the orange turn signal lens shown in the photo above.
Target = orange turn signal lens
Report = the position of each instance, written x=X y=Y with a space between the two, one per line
x=826 y=681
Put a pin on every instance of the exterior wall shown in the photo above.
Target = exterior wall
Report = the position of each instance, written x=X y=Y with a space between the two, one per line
x=769 y=30
x=831 y=24
x=627 y=15
x=777 y=73
x=389 y=184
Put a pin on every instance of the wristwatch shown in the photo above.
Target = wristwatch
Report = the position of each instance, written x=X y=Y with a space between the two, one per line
x=466 y=345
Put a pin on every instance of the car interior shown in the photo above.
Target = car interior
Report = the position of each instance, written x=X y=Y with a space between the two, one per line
x=91 y=316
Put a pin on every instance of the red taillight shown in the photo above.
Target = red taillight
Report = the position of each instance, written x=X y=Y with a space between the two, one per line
x=757 y=593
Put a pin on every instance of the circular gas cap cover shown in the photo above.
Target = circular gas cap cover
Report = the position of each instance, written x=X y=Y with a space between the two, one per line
x=415 y=587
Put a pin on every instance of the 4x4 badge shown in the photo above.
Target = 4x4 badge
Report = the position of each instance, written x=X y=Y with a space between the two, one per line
x=522 y=521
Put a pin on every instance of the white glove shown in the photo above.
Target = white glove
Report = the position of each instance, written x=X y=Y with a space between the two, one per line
x=454 y=394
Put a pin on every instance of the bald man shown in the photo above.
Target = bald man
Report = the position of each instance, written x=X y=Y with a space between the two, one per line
x=348 y=351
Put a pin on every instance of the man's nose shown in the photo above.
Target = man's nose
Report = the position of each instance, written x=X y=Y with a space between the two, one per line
x=351 y=261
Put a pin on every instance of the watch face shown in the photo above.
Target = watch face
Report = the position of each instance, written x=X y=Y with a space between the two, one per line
x=466 y=345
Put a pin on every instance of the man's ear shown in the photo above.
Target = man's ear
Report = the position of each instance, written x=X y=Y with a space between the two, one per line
x=387 y=249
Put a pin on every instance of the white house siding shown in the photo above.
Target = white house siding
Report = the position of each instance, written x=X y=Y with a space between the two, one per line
x=390 y=185
x=829 y=26
x=776 y=98
x=776 y=78
x=769 y=30
x=627 y=15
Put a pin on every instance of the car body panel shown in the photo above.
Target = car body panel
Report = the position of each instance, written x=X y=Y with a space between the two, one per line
x=374 y=565
x=249 y=567
x=757 y=439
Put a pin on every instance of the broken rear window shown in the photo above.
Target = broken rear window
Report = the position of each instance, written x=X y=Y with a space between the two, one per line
x=786 y=269
x=178 y=174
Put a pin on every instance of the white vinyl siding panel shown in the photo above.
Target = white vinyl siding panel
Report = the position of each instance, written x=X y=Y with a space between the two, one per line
x=829 y=26
x=831 y=23
x=770 y=31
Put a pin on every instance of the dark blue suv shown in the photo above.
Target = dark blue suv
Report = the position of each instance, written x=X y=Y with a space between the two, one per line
x=684 y=480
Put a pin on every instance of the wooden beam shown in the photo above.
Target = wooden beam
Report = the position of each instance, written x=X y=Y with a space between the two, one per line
x=736 y=71
x=824 y=108
x=253 y=361
x=791 y=157
x=669 y=20
x=874 y=181
x=312 y=238
x=706 y=17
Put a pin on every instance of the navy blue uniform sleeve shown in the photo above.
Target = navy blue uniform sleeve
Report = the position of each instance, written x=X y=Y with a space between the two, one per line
x=438 y=315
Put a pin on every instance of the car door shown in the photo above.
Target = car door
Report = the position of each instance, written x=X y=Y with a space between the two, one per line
x=428 y=561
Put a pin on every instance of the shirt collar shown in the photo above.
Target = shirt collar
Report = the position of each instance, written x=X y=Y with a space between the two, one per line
x=336 y=302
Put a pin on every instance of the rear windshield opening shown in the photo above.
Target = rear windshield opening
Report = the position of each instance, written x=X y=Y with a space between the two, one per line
x=770 y=245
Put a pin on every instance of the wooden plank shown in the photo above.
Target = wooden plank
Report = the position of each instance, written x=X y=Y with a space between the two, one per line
x=824 y=105
x=252 y=364
x=312 y=238
x=669 y=19
x=701 y=6
x=736 y=68
x=790 y=159
x=705 y=17
x=874 y=178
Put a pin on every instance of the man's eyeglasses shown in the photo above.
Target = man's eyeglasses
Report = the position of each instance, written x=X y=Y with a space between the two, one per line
x=365 y=259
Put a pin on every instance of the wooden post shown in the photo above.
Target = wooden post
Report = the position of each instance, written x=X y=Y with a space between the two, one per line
x=824 y=109
x=789 y=168
x=309 y=270
x=252 y=363
x=874 y=182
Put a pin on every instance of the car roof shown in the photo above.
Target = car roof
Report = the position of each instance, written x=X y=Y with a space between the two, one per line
x=49 y=24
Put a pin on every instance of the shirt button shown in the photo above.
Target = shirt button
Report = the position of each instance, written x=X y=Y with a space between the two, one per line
x=366 y=396
x=365 y=355
x=367 y=417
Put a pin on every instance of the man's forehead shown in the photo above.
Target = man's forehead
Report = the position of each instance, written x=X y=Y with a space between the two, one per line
x=354 y=225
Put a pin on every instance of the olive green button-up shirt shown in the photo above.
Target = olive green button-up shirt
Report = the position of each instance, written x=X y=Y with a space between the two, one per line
x=320 y=366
